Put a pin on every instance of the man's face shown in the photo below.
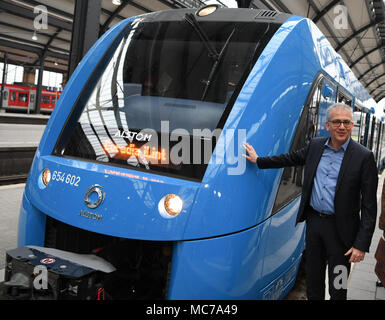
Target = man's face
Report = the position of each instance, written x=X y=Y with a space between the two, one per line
x=339 y=132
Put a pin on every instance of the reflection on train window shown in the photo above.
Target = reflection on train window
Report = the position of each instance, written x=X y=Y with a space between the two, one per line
x=13 y=96
x=53 y=100
x=292 y=177
x=343 y=97
x=164 y=72
x=45 y=99
x=180 y=66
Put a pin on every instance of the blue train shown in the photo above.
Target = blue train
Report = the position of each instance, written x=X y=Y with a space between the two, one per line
x=141 y=162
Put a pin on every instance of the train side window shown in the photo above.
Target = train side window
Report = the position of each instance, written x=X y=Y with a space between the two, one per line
x=292 y=177
x=32 y=98
x=5 y=97
x=13 y=96
x=23 y=97
x=45 y=99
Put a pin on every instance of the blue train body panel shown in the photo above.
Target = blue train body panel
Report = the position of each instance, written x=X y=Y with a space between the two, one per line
x=227 y=243
x=244 y=265
x=132 y=211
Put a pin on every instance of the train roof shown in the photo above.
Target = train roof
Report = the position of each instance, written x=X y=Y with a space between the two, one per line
x=221 y=14
x=27 y=86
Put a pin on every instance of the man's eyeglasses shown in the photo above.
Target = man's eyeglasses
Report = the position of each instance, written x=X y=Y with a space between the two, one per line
x=337 y=123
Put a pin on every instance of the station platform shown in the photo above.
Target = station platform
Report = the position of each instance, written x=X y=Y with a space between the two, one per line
x=361 y=282
x=362 y=279
x=20 y=135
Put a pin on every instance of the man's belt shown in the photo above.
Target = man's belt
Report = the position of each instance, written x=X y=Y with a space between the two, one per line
x=320 y=214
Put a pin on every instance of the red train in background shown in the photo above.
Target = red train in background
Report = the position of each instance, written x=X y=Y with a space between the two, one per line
x=22 y=97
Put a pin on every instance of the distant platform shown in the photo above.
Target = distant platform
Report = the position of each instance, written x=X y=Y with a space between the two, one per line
x=23 y=118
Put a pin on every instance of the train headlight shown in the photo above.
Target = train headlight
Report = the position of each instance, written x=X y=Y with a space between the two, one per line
x=46 y=177
x=205 y=11
x=170 y=206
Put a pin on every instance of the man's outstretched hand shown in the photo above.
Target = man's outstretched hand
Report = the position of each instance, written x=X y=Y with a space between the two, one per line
x=251 y=154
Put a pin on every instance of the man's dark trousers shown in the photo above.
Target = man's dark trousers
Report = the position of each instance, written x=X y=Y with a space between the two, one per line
x=324 y=245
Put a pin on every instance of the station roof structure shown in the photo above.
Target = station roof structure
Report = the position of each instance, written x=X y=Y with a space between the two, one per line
x=25 y=44
x=355 y=28
x=359 y=39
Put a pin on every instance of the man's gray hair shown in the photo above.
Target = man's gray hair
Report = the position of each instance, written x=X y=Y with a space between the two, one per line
x=338 y=105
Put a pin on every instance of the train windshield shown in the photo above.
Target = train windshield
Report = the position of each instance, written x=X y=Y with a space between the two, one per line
x=164 y=95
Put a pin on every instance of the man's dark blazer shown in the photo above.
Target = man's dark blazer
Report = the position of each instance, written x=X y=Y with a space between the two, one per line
x=356 y=188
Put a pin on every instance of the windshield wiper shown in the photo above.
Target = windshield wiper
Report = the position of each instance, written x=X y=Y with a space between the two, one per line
x=190 y=18
x=216 y=64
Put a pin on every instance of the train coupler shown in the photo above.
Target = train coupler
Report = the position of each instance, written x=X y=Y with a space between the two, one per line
x=39 y=273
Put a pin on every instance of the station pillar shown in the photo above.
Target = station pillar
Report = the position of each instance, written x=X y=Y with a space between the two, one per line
x=85 y=30
x=3 y=78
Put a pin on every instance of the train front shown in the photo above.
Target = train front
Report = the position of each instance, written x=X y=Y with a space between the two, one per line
x=121 y=199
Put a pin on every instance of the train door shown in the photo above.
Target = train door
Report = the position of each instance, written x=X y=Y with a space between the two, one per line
x=12 y=98
x=285 y=241
x=31 y=105
x=12 y=101
x=5 y=97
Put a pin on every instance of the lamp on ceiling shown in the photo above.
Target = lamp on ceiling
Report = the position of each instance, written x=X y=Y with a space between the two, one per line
x=34 y=36
x=117 y=2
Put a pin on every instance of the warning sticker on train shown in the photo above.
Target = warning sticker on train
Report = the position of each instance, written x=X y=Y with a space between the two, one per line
x=47 y=260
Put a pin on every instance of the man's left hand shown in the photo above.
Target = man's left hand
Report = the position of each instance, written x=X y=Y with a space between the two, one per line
x=356 y=255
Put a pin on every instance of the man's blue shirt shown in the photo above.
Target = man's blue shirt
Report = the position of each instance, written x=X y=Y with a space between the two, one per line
x=325 y=181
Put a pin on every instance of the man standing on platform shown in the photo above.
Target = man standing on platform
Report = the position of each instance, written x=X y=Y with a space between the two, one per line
x=340 y=180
